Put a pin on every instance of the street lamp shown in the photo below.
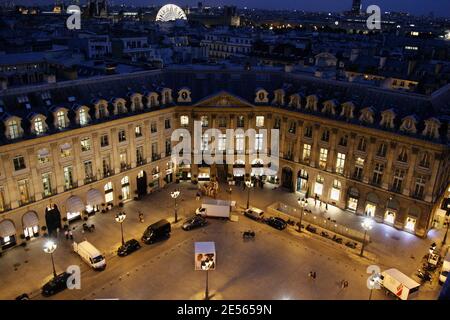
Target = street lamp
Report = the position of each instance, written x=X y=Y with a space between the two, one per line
x=249 y=184
x=50 y=247
x=302 y=202
x=120 y=218
x=174 y=195
x=367 y=225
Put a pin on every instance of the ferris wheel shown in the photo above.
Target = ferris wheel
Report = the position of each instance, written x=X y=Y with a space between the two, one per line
x=170 y=12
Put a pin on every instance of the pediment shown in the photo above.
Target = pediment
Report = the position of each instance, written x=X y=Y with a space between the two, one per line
x=223 y=99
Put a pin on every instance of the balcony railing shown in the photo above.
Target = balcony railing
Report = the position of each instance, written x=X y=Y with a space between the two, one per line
x=26 y=201
x=70 y=186
x=141 y=162
x=88 y=180
x=124 y=167
x=49 y=194
x=156 y=157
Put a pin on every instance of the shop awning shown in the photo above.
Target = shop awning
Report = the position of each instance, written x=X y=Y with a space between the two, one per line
x=30 y=219
x=74 y=204
x=353 y=192
x=393 y=204
x=94 y=197
x=7 y=229
x=372 y=197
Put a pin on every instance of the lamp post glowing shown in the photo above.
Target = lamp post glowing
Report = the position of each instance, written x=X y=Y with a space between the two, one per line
x=120 y=218
x=174 y=195
x=50 y=247
x=248 y=184
x=367 y=225
x=302 y=202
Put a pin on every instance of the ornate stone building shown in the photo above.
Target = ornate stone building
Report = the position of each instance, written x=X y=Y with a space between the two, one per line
x=89 y=144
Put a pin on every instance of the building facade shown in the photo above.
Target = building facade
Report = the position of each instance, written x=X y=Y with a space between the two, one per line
x=74 y=148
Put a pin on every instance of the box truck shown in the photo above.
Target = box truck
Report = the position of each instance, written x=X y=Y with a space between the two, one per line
x=215 y=208
x=445 y=268
x=402 y=286
x=90 y=254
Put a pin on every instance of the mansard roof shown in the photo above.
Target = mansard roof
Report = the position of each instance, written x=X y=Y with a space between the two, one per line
x=239 y=84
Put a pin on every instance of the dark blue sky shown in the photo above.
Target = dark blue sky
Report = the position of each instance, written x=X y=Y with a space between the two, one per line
x=418 y=7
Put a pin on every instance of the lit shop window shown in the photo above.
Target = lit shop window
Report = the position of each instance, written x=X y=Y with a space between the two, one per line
x=336 y=190
x=389 y=217
x=318 y=186
x=410 y=224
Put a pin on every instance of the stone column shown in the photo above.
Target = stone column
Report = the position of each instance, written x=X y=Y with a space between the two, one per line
x=350 y=155
x=298 y=142
x=11 y=192
x=331 y=161
x=390 y=162
x=429 y=197
x=147 y=143
x=132 y=145
x=368 y=166
x=115 y=161
x=78 y=172
x=315 y=152
x=97 y=161
x=59 y=174
x=410 y=175
x=36 y=187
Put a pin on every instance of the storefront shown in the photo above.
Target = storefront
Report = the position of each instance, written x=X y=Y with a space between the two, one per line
x=353 y=198
x=302 y=181
x=141 y=183
x=372 y=202
x=30 y=223
x=169 y=176
x=74 y=208
x=204 y=172
x=318 y=185
x=335 y=193
x=94 y=199
x=125 y=188
x=7 y=234
x=109 y=193
x=286 y=178
x=390 y=214
x=257 y=168
x=52 y=218
x=155 y=178
x=239 y=170
x=411 y=219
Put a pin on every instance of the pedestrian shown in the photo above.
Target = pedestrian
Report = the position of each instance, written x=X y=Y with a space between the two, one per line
x=70 y=235
x=66 y=233
x=326 y=206
x=314 y=275
x=141 y=217
x=344 y=284
x=197 y=196
x=315 y=200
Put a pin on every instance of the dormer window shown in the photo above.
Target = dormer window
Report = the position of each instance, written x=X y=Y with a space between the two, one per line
x=120 y=107
x=311 y=102
x=14 y=130
x=261 y=96
x=294 y=101
x=408 y=124
x=166 y=96
x=279 y=97
x=39 y=126
x=83 y=116
x=347 y=110
x=152 y=100
x=403 y=155
x=61 y=120
x=329 y=107
x=101 y=111
x=184 y=95
x=136 y=102
x=367 y=115
x=431 y=130
x=387 y=119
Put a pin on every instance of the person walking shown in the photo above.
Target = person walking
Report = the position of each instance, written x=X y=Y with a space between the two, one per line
x=70 y=235
x=66 y=233
x=141 y=217
x=197 y=196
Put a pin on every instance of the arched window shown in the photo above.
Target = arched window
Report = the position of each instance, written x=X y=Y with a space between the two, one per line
x=61 y=120
x=83 y=115
x=13 y=129
x=38 y=126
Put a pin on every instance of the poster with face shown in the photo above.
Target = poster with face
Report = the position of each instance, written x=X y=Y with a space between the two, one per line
x=205 y=256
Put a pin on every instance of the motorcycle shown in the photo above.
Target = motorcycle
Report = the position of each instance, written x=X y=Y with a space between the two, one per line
x=350 y=244
x=248 y=234
x=424 y=275
x=89 y=228
x=324 y=234
x=337 y=239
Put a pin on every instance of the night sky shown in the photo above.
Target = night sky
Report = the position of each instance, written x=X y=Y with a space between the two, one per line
x=417 y=7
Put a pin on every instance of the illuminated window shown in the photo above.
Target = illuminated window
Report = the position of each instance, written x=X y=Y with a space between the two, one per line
x=85 y=144
x=184 y=121
x=306 y=156
x=336 y=190
x=260 y=121
x=323 y=158
x=340 y=163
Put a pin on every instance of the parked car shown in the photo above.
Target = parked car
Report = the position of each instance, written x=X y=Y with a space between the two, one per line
x=254 y=213
x=277 y=223
x=56 y=284
x=194 y=222
x=157 y=231
x=129 y=247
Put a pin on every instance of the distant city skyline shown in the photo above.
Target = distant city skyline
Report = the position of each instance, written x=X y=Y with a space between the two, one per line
x=416 y=7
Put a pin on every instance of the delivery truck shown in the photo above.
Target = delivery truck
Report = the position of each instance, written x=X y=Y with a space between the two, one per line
x=399 y=284
x=90 y=254
x=215 y=208
x=445 y=268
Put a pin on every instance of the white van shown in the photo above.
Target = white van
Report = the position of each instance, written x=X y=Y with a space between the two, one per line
x=445 y=268
x=90 y=254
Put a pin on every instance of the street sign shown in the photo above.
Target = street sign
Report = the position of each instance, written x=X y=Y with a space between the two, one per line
x=205 y=256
